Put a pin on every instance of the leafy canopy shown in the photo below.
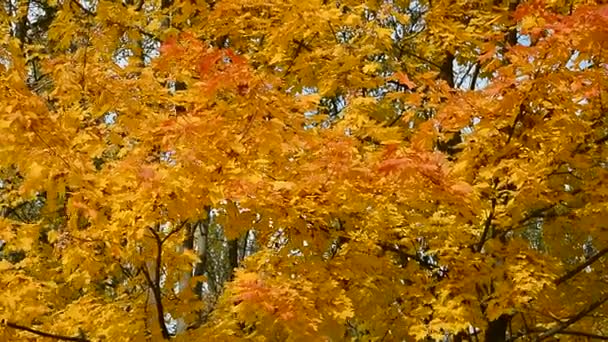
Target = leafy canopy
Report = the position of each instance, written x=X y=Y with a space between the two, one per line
x=303 y=170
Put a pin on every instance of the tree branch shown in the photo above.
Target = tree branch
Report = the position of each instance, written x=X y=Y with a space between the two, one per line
x=583 y=334
x=564 y=332
x=422 y=59
x=88 y=12
x=45 y=334
x=486 y=228
x=561 y=327
x=573 y=272
x=404 y=254
x=518 y=117
x=173 y=231
x=82 y=8
x=473 y=84
x=155 y=284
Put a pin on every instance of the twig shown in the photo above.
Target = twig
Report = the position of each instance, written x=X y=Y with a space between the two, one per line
x=52 y=150
x=333 y=32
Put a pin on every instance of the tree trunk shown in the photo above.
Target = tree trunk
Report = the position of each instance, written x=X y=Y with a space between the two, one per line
x=188 y=244
x=202 y=249
x=497 y=329
x=233 y=257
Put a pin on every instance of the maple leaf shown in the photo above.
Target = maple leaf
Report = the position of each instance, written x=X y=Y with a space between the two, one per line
x=402 y=78
x=394 y=164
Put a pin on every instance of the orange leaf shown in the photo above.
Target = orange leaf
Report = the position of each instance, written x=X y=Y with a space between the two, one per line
x=402 y=78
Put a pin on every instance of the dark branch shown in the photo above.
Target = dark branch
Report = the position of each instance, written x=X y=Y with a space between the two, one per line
x=486 y=227
x=518 y=117
x=82 y=8
x=181 y=226
x=402 y=253
x=45 y=334
x=602 y=140
x=409 y=53
x=583 y=334
x=564 y=332
x=136 y=28
x=475 y=76
x=561 y=327
x=155 y=285
x=579 y=268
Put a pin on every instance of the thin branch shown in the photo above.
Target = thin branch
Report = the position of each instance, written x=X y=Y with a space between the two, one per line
x=421 y=58
x=466 y=73
x=564 y=332
x=601 y=140
x=583 y=334
x=84 y=67
x=173 y=231
x=404 y=254
x=395 y=120
x=136 y=28
x=473 y=84
x=486 y=228
x=561 y=327
x=573 y=272
x=45 y=334
x=52 y=150
x=84 y=9
x=333 y=32
x=518 y=117
x=534 y=214
x=248 y=127
x=155 y=285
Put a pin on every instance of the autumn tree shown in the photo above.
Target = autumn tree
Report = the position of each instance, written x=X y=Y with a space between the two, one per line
x=303 y=170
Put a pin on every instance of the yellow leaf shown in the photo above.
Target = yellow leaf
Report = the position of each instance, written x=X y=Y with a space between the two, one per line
x=277 y=58
x=52 y=236
x=35 y=170
x=24 y=243
x=281 y=185
x=5 y=265
x=216 y=195
x=370 y=68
